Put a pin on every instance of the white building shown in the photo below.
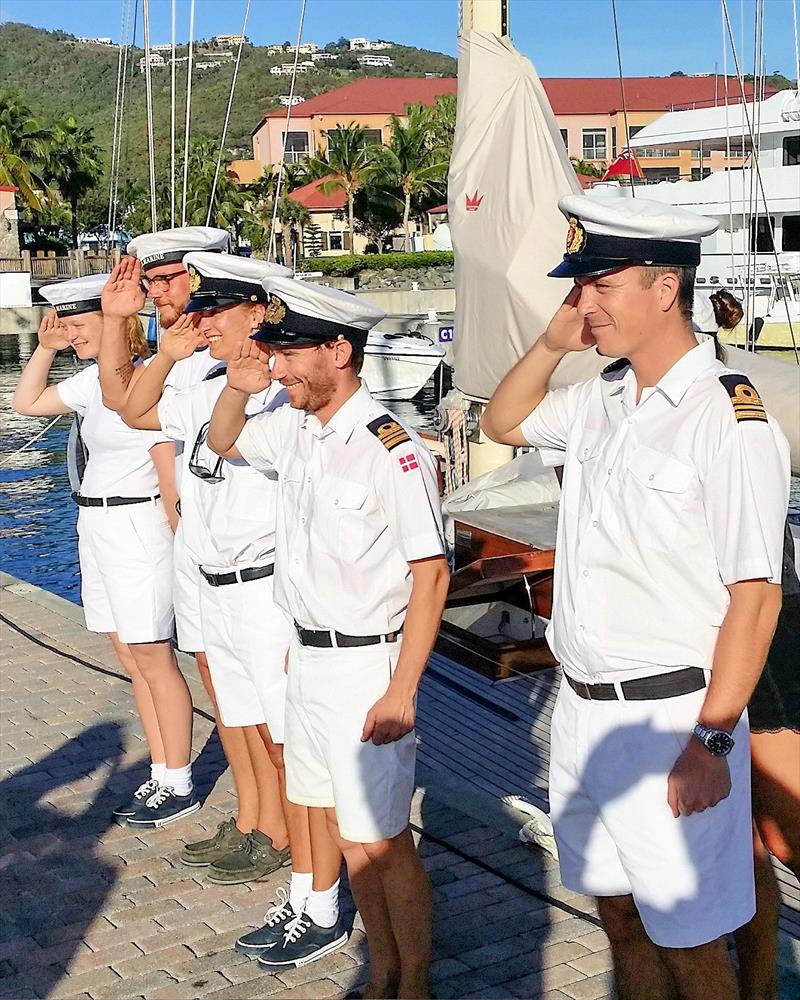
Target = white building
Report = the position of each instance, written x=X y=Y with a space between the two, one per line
x=323 y=56
x=308 y=48
x=163 y=47
x=288 y=101
x=286 y=69
x=274 y=50
x=156 y=62
x=231 y=40
x=365 y=45
x=96 y=41
x=370 y=60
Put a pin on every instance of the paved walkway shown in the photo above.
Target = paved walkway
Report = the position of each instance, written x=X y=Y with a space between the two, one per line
x=92 y=910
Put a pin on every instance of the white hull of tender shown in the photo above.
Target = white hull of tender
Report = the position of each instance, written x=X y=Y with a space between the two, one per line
x=397 y=366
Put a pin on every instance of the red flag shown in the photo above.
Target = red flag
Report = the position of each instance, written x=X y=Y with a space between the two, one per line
x=625 y=165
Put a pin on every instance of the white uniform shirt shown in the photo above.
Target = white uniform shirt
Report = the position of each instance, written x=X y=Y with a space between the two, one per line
x=184 y=373
x=352 y=514
x=119 y=457
x=663 y=504
x=227 y=524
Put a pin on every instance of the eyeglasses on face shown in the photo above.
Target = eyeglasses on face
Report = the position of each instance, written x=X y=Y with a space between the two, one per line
x=202 y=471
x=160 y=280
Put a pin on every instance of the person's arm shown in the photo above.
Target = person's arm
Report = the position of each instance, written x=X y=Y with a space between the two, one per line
x=247 y=374
x=525 y=386
x=179 y=342
x=122 y=298
x=393 y=715
x=163 y=456
x=33 y=397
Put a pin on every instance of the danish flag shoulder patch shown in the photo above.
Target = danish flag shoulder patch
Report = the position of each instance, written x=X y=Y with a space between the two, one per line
x=408 y=462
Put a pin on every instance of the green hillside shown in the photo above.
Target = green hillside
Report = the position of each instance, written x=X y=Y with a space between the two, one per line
x=57 y=75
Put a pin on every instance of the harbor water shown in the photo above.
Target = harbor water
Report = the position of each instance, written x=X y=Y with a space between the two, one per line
x=38 y=540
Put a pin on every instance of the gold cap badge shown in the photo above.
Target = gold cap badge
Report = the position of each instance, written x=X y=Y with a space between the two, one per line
x=275 y=310
x=576 y=236
x=194 y=279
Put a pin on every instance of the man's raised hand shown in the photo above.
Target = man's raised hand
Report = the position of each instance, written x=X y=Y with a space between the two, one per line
x=249 y=370
x=568 y=330
x=52 y=334
x=123 y=294
x=182 y=339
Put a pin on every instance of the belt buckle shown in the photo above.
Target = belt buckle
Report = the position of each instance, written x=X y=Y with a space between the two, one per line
x=587 y=690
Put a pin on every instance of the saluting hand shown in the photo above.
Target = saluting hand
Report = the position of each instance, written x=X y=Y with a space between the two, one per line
x=389 y=719
x=698 y=781
x=123 y=294
x=52 y=333
x=248 y=371
x=568 y=330
x=182 y=339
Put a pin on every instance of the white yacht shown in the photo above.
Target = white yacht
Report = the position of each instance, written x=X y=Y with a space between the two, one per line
x=397 y=365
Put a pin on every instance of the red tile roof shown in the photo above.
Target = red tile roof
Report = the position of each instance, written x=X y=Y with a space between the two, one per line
x=568 y=96
x=316 y=200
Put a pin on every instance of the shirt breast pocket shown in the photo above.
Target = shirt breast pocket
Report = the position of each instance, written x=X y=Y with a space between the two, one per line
x=340 y=516
x=657 y=491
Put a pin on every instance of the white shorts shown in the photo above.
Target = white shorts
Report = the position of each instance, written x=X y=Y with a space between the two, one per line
x=186 y=582
x=691 y=877
x=330 y=693
x=246 y=637
x=126 y=571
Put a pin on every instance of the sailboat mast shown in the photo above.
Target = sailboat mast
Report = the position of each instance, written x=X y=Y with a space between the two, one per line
x=483 y=15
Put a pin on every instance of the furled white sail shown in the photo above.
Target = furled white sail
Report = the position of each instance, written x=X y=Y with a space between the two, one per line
x=508 y=169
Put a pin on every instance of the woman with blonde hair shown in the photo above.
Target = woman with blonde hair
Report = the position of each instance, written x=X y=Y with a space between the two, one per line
x=127 y=506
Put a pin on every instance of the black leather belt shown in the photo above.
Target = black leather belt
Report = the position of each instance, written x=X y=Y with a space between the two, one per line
x=110 y=501
x=670 y=685
x=238 y=576
x=332 y=640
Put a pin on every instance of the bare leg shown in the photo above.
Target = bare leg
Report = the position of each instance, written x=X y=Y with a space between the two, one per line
x=296 y=816
x=234 y=746
x=325 y=853
x=776 y=812
x=270 y=812
x=143 y=699
x=702 y=973
x=638 y=967
x=171 y=698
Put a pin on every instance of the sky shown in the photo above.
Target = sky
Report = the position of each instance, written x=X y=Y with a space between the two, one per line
x=561 y=37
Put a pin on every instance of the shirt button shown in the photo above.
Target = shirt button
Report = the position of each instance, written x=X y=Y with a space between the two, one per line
x=308 y=479
x=609 y=472
x=335 y=503
x=586 y=572
x=581 y=628
x=595 y=524
x=652 y=476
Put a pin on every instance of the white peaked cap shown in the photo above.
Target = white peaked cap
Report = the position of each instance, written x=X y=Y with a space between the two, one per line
x=76 y=296
x=171 y=245
x=217 y=280
x=608 y=233
x=300 y=313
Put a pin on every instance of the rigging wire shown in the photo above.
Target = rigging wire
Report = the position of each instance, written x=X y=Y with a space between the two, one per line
x=120 y=61
x=125 y=83
x=148 y=84
x=757 y=168
x=279 y=184
x=796 y=48
x=35 y=438
x=172 y=127
x=188 y=115
x=127 y=73
x=227 y=115
x=622 y=93
x=728 y=147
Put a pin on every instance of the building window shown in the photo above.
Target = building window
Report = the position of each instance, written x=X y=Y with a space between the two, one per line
x=594 y=144
x=699 y=173
x=565 y=138
x=373 y=137
x=761 y=234
x=335 y=241
x=791 y=151
x=296 y=146
x=614 y=141
x=791 y=232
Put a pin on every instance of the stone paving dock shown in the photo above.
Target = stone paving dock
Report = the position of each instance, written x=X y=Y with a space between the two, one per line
x=91 y=910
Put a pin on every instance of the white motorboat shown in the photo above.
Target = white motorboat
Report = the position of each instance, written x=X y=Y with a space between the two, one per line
x=397 y=365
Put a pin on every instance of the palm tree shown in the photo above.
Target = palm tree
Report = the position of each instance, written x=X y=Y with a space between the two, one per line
x=24 y=146
x=292 y=217
x=411 y=163
x=74 y=164
x=348 y=164
x=586 y=167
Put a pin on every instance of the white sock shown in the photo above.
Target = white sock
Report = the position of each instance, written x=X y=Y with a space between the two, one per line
x=179 y=779
x=300 y=890
x=157 y=772
x=323 y=907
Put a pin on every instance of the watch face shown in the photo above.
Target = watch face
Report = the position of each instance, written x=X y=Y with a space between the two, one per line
x=719 y=743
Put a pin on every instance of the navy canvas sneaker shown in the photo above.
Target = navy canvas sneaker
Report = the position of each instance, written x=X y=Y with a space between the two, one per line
x=124 y=812
x=276 y=918
x=163 y=807
x=303 y=942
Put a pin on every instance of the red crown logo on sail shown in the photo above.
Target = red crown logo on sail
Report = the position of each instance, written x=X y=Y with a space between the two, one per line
x=474 y=203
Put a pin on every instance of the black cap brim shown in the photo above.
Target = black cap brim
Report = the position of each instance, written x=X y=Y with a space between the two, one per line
x=285 y=338
x=208 y=302
x=573 y=267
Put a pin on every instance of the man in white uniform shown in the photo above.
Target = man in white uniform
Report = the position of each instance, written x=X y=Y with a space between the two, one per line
x=666 y=594
x=360 y=570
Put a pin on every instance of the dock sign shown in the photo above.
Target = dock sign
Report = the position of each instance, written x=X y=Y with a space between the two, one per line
x=445 y=334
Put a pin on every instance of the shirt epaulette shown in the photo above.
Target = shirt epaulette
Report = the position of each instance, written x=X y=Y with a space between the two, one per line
x=388 y=431
x=615 y=369
x=744 y=397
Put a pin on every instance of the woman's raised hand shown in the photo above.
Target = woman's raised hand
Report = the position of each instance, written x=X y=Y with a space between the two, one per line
x=249 y=370
x=52 y=333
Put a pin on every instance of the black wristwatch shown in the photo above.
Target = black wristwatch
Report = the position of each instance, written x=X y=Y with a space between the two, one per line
x=716 y=741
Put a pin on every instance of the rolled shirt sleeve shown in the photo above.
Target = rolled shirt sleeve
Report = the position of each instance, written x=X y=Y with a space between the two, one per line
x=259 y=441
x=547 y=427
x=409 y=495
x=78 y=389
x=174 y=412
x=746 y=495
